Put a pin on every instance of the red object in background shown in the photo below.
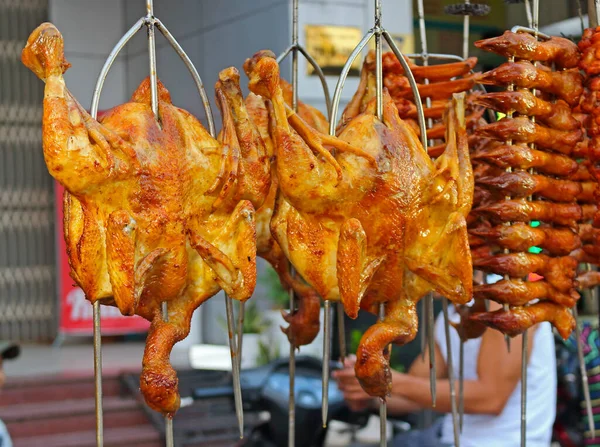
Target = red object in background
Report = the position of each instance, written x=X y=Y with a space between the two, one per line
x=75 y=311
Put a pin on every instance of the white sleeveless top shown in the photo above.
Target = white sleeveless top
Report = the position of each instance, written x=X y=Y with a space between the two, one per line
x=505 y=430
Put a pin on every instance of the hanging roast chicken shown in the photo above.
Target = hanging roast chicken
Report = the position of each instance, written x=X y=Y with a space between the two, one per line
x=156 y=209
x=368 y=218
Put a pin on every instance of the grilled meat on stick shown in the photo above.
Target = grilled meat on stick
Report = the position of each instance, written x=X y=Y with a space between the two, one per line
x=559 y=50
x=523 y=157
x=520 y=237
x=566 y=85
x=516 y=292
x=556 y=115
x=522 y=130
x=516 y=321
x=135 y=190
x=352 y=224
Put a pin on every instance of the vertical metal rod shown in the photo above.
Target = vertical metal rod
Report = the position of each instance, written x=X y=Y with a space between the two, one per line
x=295 y=55
x=382 y=402
x=152 y=56
x=341 y=331
x=326 y=358
x=98 y=375
x=524 y=351
x=423 y=326
x=378 y=60
x=466 y=24
x=461 y=385
x=584 y=377
x=168 y=420
x=429 y=297
x=237 y=389
x=240 y=332
x=292 y=391
x=292 y=357
x=450 y=373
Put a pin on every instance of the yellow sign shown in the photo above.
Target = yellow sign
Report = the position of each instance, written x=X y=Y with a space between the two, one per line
x=331 y=46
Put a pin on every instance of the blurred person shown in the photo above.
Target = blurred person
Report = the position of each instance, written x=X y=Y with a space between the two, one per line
x=492 y=390
x=8 y=351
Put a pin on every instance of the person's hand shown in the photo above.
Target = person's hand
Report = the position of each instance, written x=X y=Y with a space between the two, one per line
x=356 y=398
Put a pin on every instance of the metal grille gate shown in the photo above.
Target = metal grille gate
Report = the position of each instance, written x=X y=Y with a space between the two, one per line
x=27 y=240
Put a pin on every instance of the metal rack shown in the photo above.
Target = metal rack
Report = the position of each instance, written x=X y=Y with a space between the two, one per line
x=294 y=49
x=151 y=23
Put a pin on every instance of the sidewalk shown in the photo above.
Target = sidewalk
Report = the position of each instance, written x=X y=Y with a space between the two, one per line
x=78 y=359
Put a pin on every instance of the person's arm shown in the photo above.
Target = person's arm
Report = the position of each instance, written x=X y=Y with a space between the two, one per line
x=498 y=373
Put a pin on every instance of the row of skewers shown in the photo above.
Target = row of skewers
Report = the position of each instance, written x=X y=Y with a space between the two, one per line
x=143 y=228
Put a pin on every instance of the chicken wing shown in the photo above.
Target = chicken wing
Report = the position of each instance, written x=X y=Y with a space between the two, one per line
x=524 y=184
x=559 y=272
x=521 y=237
x=516 y=321
x=562 y=52
x=523 y=157
x=566 y=85
x=556 y=115
x=521 y=210
x=516 y=292
x=522 y=130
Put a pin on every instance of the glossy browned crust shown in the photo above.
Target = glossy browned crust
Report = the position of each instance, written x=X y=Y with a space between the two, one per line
x=563 y=52
x=516 y=321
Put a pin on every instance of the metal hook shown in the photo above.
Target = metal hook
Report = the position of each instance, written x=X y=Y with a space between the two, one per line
x=326 y=358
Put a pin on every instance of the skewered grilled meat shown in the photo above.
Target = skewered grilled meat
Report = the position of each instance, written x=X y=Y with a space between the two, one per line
x=523 y=157
x=521 y=210
x=520 y=237
x=559 y=50
x=468 y=328
x=523 y=184
x=349 y=230
x=516 y=321
x=559 y=272
x=556 y=115
x=567 y=84
x=516 y=292
x=522 y=130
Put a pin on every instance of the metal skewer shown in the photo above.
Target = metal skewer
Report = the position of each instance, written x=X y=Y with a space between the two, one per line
x=294 y=49
x=450 y=368
x=382 y=403
x=98 y=373
x=429 y=297
x=240 y=332
x=235 y=365
x=151 y=22
x=326 y=358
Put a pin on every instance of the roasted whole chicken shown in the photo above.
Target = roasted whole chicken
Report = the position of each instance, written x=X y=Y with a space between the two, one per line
x=156 y=209
x=351 y=222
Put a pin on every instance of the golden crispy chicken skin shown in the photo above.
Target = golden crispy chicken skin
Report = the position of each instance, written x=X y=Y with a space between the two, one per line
x=156 y=210
x=352 y=222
